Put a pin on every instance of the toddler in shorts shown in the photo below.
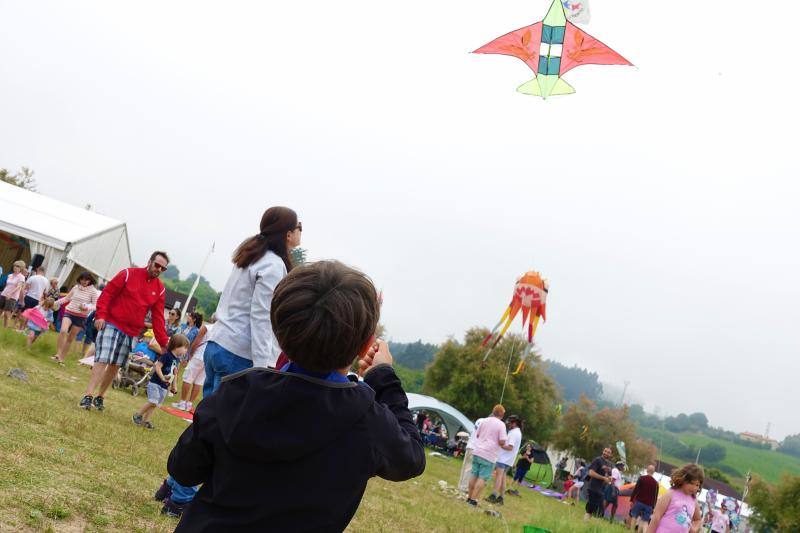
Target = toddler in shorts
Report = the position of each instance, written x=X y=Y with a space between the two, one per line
x=162 y=379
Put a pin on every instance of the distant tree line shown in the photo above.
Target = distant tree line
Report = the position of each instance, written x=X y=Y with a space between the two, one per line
x=207 y=297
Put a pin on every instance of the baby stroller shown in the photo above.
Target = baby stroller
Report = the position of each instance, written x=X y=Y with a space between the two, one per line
x=135 y=374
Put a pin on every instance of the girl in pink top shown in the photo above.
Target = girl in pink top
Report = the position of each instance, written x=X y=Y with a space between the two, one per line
x=15 y=283
x=82 y=301
x=677 y=510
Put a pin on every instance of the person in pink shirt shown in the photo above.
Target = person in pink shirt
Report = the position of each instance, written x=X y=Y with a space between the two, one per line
x=15 y=283
x=490 y=438
x=677 y=510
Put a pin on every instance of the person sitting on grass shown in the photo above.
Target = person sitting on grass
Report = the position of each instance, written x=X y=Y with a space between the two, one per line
x=523 y=466
x=293 y=449
x=162 y=379
x=39 y=319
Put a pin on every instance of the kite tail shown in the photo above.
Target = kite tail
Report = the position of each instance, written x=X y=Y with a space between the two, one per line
x=496 y=327
x=523 y=358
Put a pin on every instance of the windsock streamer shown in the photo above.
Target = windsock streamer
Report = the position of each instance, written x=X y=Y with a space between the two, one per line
x=530 y=296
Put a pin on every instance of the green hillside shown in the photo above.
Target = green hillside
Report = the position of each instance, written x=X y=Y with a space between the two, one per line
x=739 y=459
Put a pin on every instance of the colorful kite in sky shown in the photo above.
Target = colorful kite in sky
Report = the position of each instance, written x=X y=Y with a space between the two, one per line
x=551 y=48
x=530 y=296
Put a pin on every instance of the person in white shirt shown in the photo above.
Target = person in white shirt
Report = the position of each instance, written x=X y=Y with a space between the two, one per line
x=35 y=287
x=611 y=491
x=506 y=458
x=243 y=337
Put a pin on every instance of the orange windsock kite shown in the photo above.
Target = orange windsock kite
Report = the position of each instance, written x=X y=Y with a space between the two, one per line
x=530 y=296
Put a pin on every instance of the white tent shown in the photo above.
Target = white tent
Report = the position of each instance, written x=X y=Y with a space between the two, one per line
x=66 y=235
x=452 y=417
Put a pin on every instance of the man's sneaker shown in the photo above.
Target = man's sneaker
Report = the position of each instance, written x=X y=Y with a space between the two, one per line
x=472 y=502
x=148 y=425
x=172 y=509
x=513 y=492
x=499 y=500
x=492 y=498
x=86 y=403
x=163 y=492
x=179 y=405
x=137 y=419
x=98 y=403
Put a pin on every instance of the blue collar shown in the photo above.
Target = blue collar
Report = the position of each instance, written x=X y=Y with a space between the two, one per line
x=333 y=376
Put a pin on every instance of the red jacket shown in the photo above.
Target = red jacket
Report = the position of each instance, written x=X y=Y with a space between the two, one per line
x=126 y=300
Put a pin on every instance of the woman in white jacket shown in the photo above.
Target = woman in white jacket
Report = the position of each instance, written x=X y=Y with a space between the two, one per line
x=243 y=336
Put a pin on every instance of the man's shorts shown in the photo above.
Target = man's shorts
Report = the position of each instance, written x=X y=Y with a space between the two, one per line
x=481 y=468
x=156 y=394
x=195 y=372
x=31 y=302
x=502 y=466
x=594 y=505
x=641 y=510
x=77 y=321
x=112 y=346
x=7 y=304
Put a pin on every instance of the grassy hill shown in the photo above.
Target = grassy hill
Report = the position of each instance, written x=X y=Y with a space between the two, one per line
x=66 y=469
x=768 y=464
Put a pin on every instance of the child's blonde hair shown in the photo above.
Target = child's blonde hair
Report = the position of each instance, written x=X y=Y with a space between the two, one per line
x=20 y=264
x=177 y=341
x=49 y=302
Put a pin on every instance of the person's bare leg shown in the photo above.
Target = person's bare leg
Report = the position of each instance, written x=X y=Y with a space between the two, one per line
x=479 y=484
x=108 y=376
x=147 y=410
x=98 y=371
x=66 y=325
x=31 y=338
x=195 y=393
x=186 y=389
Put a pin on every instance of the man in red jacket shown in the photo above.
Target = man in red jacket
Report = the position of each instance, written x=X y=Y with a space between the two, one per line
x=119 y=318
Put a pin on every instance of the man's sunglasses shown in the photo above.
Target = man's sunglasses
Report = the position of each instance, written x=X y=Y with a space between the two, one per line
x=160 y=267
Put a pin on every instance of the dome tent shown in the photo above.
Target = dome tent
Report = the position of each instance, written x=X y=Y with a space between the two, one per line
x=454 y=419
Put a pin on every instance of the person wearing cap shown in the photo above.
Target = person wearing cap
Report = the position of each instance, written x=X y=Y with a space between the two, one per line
x=490 y=438
x=505 y=459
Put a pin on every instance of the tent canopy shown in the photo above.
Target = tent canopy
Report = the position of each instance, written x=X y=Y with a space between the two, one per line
x=65 y=234
x=453 y=419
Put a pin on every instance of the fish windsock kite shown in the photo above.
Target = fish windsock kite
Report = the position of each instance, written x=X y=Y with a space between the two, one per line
x=551 y=48
x=530 y=296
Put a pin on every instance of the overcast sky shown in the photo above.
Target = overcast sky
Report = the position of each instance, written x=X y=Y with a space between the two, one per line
x=660 y=201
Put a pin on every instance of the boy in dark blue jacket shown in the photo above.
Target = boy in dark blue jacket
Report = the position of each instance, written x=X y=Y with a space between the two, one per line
x=292 y=450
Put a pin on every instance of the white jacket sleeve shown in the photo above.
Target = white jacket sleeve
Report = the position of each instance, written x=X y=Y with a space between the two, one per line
x=264 y=345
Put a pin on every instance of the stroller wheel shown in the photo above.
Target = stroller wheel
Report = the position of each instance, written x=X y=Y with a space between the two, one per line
x=134 y=390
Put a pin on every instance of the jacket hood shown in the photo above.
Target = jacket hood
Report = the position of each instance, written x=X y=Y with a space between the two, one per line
x=266 y=415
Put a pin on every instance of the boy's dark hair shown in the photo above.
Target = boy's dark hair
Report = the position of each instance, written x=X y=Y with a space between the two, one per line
x=178 y=340
x=324 y=314
x=157 y=253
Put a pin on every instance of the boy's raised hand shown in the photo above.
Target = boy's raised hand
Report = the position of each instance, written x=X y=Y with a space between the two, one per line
x=378 y=354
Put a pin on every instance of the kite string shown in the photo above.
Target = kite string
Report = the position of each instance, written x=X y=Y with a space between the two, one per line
x=508 y=370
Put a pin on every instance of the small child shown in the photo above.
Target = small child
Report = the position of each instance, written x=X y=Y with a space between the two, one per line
x=677 y=510
x=162 y=379
x=293 y=449
x=569 y=482
x=39 y=319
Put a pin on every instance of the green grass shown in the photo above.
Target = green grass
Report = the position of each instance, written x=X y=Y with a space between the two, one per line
x=66 y=469
x=768 y=464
